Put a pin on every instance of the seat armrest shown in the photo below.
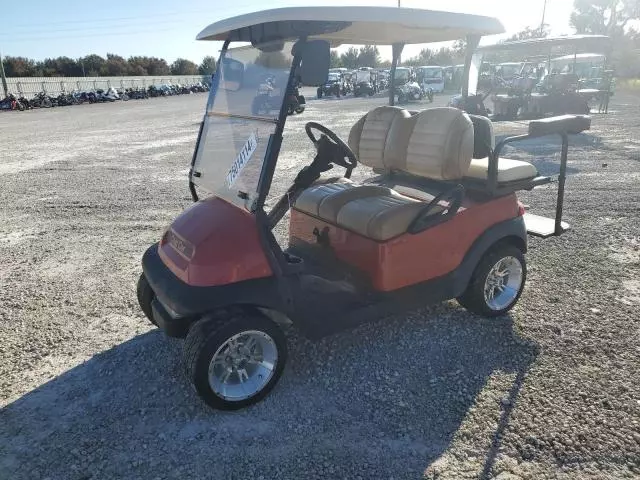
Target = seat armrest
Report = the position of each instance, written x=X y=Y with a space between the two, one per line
x=563 y=124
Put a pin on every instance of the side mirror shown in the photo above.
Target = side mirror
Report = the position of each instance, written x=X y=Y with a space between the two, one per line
x=232 y=74
x=316 y=58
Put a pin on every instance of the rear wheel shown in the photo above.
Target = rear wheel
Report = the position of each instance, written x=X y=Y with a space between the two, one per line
x=497 y=283
x=319 y=92
x=145 y=297
x=235 y=361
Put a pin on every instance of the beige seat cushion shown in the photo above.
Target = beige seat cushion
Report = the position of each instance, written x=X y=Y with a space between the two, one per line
x=381 y=217
x=508 y=170
x=324 y=200
x=380 y=137
x=440 y=146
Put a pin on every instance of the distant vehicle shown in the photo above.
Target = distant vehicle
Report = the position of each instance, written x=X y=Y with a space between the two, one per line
x=363 y=84
x=333 y=86
x=431 y=77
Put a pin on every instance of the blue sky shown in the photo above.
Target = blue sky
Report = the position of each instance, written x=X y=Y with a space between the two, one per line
x=167 y=28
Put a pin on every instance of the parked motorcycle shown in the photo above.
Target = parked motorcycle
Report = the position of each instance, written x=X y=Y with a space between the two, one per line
x=42 y=100
x=11 y=103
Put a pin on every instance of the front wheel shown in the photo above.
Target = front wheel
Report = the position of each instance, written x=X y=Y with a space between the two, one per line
x=497 y=283
x=234 y=361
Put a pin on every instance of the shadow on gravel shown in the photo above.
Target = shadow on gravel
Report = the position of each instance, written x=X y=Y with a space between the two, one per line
x=382 y=400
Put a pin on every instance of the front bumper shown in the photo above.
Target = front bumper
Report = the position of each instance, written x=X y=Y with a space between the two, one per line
x=177 y=305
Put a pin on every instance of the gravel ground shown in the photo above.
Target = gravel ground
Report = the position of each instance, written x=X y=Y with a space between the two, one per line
x=89 y=391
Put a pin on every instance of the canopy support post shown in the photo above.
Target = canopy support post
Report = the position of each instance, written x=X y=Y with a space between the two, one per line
x=472 y=44
x=396 y=50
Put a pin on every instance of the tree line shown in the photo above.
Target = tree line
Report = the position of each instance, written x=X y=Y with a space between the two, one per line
x=111 y=66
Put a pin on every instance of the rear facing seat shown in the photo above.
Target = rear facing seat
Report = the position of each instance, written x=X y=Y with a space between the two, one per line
x=483 y=146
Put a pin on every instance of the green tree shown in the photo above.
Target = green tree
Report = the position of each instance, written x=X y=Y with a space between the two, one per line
x=529 y=33
x=19 y=67
x=115 y=66
x=93 y=65
x=273 y=60
x=158 y=66
x=208 y=66
x=335 y=59
x=182 y=66
x=368 y=56
x=349 y=59
x=605 y=17
x=425 y=57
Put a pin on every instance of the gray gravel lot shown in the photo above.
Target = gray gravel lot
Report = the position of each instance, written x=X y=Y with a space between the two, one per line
x=89 y=391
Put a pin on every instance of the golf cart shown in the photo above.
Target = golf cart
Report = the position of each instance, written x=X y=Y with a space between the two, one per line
x=431 y=78
x=363 y=84
x=437 y=219
x=333 y=86
x=405 y=88
x=539 y=92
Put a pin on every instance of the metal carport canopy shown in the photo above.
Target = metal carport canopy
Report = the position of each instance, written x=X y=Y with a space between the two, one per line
x=580 y=42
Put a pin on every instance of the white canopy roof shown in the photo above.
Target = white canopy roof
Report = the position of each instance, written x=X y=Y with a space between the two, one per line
x=352 y=25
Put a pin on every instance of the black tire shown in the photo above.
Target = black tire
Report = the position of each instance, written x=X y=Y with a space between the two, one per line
x=258 y=105
x=207 y=335
x=473 y=298
x=145 y=297
x=291 y=109
x=319 y=93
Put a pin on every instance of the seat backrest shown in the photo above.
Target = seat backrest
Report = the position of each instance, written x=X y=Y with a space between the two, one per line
x=378 y=138
x=441 y=144
x=435 y=143
x=484 y=141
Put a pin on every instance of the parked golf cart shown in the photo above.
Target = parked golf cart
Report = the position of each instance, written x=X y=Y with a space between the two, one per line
x=363 y=84
x=439 y=219
x=530 y=95
x=332 y=87
x=406 y=89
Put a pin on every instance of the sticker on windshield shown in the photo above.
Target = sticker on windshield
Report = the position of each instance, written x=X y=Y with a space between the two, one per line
x=241 y=160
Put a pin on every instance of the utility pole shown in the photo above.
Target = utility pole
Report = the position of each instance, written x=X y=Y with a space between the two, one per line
x=544 y=11
x=4 y=78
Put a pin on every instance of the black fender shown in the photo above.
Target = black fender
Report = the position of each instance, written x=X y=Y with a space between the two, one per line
x=513 y=231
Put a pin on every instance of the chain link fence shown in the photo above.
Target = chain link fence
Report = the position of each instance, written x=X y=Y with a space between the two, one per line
x=30 y=86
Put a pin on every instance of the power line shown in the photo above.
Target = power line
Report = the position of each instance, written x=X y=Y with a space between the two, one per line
x=84 y=29
x=137 y=17
x=111 y=34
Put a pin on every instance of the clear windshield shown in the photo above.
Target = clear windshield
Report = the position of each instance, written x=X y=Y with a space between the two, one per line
x=508 y=71
x=401 y=76
x=431 y=73
x=240 y=118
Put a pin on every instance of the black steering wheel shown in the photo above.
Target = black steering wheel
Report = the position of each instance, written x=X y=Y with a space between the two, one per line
x=341 y=155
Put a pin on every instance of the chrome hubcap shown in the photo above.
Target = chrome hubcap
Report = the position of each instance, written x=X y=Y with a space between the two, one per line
x=503 y=283
x=243 y=365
